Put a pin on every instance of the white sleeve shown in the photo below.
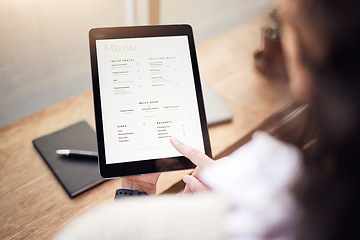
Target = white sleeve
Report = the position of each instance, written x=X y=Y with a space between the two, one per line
x=255 y=181
x=151 y=217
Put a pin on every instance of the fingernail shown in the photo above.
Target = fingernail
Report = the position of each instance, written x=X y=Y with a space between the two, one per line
x=186 y=179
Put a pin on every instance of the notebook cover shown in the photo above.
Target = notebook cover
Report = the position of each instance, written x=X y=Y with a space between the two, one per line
x=76 y=175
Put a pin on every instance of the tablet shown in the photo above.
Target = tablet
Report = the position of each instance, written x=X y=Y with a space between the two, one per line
x=146 y=88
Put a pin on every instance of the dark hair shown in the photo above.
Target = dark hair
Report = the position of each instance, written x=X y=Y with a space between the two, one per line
x=328 y=192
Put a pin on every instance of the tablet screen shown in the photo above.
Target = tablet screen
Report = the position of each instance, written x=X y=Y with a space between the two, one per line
x=146 y=90
x=148 y=95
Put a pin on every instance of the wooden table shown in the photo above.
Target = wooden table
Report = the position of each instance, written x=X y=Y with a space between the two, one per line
x=34 y=205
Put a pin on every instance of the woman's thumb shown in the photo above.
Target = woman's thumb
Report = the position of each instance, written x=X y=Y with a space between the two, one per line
x=193 y=184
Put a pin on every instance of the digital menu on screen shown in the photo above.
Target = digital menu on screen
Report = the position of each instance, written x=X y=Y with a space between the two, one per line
x=147 y=95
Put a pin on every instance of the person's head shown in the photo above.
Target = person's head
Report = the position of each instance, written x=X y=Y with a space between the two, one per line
x=321 y=41
x=320 y=38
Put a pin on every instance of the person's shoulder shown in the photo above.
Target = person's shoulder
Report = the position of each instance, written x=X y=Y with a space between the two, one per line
x=265 y=143
x=161 y=217
x=261 y=161
x=255 y=180
x=264 y=148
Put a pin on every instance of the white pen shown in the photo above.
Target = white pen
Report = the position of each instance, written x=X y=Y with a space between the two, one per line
x=77 y=153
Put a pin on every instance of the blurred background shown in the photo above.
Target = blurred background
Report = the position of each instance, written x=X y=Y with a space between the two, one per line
x=44 y=51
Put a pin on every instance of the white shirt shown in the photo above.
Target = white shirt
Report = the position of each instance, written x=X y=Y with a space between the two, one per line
x=255 y=181
x=249 y=198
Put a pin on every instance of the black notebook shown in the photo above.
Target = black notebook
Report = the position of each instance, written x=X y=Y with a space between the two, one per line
x=76 y=175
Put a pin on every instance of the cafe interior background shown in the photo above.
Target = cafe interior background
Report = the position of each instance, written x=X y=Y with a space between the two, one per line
x=44 y=51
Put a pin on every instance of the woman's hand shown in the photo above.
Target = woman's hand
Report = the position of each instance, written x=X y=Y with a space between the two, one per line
x=143 y=183
x=147 y=182
x=193 y=184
